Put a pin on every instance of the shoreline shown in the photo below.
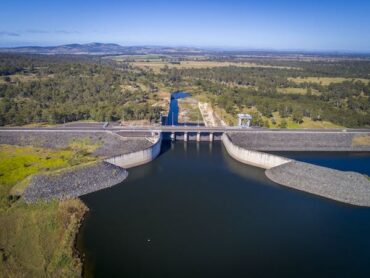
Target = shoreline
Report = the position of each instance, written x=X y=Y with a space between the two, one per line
x=76 y=253
x=346 y=187
x=278 y=169
x=47 y=192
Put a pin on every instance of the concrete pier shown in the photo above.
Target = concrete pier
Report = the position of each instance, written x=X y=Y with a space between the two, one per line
x=198 y=137
x=211 y=137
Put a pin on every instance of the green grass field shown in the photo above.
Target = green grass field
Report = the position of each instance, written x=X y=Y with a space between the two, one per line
x=37 y=240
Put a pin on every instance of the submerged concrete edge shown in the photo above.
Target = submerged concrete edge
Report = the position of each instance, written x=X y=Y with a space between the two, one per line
x=273 y=163
x=137 y=158
x=251 y=157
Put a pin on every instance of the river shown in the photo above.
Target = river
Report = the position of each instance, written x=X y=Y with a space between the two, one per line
x=173 y=113
x=196 y=212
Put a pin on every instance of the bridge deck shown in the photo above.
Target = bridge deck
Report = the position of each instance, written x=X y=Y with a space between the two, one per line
x=144 y=129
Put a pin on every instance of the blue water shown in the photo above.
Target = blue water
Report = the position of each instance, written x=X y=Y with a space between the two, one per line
x=345 y=161
x=196 y=212
x=173 y=114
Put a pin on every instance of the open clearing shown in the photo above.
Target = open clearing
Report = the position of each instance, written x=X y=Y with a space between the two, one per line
x=157 y=65
x=299 y=91
x=325 y=80
x=189 y=111
x=307 y=122
x=24 y=78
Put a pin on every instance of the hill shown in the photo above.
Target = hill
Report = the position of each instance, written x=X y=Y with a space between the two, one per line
x=99 y=49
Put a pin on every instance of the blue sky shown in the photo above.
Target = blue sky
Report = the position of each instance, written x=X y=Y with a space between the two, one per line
x=259 y=24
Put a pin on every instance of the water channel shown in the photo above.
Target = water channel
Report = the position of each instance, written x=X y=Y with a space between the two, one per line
x=173 y=113
x=196 y=212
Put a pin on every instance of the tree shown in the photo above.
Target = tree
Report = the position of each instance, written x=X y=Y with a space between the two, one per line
x=283 y=124
x=298 y=116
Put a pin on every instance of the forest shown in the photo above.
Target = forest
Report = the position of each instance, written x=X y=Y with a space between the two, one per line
x=60 y=89
x=63 y=88
x=345 y=103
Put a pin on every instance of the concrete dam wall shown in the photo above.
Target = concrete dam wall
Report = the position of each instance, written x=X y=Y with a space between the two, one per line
x=346 y=187
x=137 y=158
x=266 y=140
x=254 y=158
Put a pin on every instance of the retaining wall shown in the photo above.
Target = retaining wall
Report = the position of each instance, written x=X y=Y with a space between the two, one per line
x=255 y=158
x=137 y=158
x=301 y=140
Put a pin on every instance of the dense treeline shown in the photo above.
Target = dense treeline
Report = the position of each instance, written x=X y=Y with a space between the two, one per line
x=57 y=89
x=357 y=67
x=346 y=103
x=62 y=89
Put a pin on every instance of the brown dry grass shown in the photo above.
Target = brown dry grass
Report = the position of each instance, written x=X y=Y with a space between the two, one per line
x=361 y=140
x=157 y=65
x=25 y=78
x=325 y=80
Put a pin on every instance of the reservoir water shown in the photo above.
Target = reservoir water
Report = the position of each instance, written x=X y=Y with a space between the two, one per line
x=196 y=212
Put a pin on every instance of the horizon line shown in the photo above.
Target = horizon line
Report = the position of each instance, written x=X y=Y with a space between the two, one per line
x=201 y=47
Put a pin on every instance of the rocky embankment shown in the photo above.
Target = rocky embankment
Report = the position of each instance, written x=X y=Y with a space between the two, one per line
x=79 y=180
x=265 y=140
x=74 y=182
x=347 y=187
x=110 y=144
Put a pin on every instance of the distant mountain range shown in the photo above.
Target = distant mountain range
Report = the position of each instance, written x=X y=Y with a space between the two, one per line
x=100 y=49
x=116 y=49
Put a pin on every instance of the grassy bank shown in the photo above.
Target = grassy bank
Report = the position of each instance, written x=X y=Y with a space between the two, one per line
x=36 y=240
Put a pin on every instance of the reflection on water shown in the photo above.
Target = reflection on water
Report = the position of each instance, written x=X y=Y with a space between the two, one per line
x=195 y=212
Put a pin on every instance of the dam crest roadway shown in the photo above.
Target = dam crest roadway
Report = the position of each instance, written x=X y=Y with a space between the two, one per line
x=252 y=146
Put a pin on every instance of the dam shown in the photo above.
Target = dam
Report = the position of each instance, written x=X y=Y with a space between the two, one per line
x=251 y=146
x=200 y=208
x=247 y=145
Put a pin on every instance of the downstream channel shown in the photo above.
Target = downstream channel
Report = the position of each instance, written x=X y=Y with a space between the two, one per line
x=196 y=212
x=173 y=113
